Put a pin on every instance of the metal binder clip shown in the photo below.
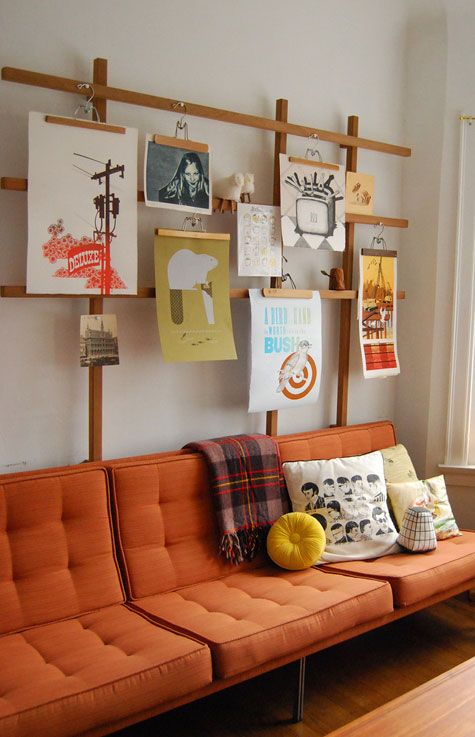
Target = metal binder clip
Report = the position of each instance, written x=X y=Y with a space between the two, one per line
x=181 y=124
x=195 y=221
x=312 y=151
x=377 y=240
x=87 y=107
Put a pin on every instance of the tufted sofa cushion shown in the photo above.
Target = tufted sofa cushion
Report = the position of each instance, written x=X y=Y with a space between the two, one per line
x=414 y=578
x=336 y=442
x=167 y=537
x=166 y=524
x=69 y=677
x=56 y=553
x=250 y=618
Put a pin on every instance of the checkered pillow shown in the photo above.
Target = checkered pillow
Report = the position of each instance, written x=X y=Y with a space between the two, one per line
x=417 y=530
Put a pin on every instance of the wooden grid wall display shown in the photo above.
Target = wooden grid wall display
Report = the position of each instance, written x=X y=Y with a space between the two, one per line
x=281 y=128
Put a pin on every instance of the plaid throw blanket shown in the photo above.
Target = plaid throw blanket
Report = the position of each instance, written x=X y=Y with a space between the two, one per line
x=248 y=490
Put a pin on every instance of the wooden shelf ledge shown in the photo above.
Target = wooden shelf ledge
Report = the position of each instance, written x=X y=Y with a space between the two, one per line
x=16 y=184
x=19 y=292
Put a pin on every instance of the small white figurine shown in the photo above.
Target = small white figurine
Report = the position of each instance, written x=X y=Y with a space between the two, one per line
x=247 y=188
x=229 y=188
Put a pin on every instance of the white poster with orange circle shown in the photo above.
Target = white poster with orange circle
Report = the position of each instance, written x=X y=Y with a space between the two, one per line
x=286 y=351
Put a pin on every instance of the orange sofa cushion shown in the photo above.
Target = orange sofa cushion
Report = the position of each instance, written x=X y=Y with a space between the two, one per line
x=166 y=524
x=165 y=516
x=336 y=442
x=56 y=553
x=70 y=677
x=250 y=618
x=415 y=577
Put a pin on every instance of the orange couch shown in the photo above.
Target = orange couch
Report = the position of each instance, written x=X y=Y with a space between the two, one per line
x=101 y=628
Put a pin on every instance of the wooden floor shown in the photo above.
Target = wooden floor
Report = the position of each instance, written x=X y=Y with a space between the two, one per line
x=342 y=683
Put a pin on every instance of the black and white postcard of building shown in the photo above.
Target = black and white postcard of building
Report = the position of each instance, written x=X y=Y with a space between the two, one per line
x=98 y=342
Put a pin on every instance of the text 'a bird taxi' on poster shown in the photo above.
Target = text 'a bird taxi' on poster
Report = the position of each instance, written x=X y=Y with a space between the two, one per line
x=286 y=351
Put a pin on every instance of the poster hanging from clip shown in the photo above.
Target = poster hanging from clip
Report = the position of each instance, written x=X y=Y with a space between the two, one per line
x=259 y=241
x=177 y=174
x=377 y=312
x=192 y=288
x=286 y=351
x=82 y=207
x=312 y=201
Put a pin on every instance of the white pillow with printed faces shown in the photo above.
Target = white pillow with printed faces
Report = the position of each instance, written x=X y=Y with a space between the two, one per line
x=348 y=497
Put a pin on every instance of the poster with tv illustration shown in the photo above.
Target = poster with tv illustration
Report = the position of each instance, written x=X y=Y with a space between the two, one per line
x=82 y=207
x=312 y=201
x=192 y=288
x=377 y=313
x=177 y=174
x=286 y=351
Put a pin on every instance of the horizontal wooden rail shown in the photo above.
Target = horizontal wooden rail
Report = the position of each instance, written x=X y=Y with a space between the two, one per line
x=64 y=84
x=19 y=291
x=21 y=185
x=351 y=217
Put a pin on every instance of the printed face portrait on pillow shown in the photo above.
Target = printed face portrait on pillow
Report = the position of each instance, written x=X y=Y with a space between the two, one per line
x=328 y=488
x=351 y=498
x=310 y=492
x=353 y=532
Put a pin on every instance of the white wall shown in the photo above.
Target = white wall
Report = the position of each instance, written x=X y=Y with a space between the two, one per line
x=424 y=103
x=330 y=60
x=460 y=98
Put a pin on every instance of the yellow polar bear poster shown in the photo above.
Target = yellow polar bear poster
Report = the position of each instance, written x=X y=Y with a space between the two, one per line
x=286 y=364
x=192 y=288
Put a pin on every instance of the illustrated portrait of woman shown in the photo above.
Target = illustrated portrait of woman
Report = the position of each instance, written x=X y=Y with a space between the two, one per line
x=188 y=186
x=176 y=177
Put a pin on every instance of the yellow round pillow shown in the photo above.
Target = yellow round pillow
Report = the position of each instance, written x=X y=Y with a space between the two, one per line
x=296 y=541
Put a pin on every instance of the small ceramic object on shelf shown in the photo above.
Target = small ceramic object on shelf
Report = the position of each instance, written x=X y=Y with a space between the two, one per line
x=228 y=191
x=337 y=279
x=247 y=187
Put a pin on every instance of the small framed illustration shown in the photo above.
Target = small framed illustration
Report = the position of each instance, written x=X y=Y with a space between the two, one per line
x=177 y=174
x=98 y=342
x=359 y=193
x=259 y=240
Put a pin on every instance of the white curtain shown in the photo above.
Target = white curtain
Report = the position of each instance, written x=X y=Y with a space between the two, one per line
x=460 y=449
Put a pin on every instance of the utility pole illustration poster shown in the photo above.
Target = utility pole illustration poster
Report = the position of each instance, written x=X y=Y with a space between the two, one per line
x=192 y=288
x=82 y=209
x=286 y=364
x=312 y=201
x=377 y=312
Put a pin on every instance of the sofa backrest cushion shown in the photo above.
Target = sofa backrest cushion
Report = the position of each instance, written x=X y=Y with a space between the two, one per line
x=56 y=554
x=166 y=524
x=166 y=527
x=336 y=442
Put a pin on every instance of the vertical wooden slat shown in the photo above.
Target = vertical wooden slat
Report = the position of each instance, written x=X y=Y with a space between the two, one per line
x=345 y=308
x=96 y=306
x=99 y=76
x=280 y=147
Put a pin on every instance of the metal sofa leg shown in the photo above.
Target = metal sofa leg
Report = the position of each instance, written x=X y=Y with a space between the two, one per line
x=299 y=691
